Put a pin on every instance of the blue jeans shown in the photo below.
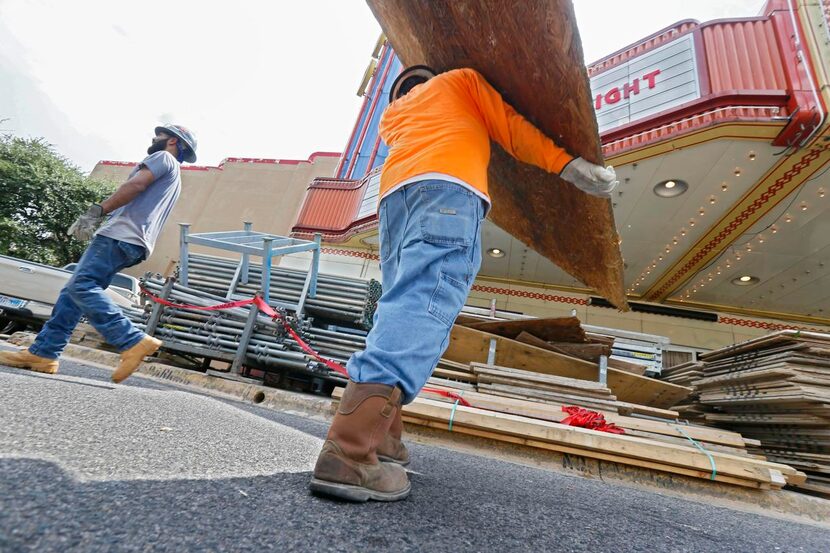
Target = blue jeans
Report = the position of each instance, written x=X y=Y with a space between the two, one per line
x=430 y=247
x=84 y=295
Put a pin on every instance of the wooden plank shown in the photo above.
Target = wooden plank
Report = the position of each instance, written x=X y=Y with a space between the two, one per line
x=565 y=348
x=545 y=397
x=464 y=319
x=443 y=383
x=558 y=329
x=470 y=345
x=627 y=366
x=453 y=366
x=589 y=352
x=530 y=47
x=454 y=375
x=520 y=375
x=530 y=387
x=634 y=409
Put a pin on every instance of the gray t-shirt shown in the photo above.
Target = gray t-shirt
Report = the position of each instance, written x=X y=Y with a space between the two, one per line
x=140 y=221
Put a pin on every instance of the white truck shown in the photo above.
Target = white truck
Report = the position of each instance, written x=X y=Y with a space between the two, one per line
x=28 y=292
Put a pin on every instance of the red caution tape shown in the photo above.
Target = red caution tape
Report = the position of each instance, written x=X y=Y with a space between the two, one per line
x=263 y=306
x=584 y=418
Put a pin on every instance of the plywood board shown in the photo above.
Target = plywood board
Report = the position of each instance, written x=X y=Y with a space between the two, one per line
x=555 y=329
x=531 y=52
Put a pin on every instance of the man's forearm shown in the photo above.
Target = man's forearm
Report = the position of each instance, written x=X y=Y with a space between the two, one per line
x=126 y=193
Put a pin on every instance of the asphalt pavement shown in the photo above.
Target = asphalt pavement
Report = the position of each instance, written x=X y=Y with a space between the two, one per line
x=87 y=465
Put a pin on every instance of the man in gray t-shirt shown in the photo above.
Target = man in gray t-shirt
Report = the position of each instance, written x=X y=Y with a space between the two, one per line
x=137 y=211
x=139 y=222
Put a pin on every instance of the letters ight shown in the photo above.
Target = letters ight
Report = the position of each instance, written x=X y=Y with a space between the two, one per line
x=615 y=94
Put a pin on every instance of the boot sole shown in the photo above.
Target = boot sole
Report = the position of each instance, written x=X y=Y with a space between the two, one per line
x=26 y=366
x=385 y=459
x=356 y=494
x=42 y=370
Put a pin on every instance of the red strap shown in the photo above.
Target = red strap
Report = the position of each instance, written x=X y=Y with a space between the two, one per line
x=229 y=305
x=263 y=306
x=268 y=310
x=452 y=395
x=584 y=418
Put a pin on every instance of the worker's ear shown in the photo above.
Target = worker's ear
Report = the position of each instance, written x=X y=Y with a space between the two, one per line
x=172 y=140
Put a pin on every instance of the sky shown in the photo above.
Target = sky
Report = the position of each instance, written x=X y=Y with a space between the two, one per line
x=252 y=78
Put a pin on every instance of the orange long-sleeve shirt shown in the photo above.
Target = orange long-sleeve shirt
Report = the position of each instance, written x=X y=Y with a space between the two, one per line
x=445 y=126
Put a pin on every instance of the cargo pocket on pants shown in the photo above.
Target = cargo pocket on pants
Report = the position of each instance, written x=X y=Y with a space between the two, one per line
x=448 y=299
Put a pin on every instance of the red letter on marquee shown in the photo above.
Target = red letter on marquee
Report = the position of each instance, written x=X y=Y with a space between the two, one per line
x=650 y=77
x=613 y=96
x=633 y=88
x=598 y=101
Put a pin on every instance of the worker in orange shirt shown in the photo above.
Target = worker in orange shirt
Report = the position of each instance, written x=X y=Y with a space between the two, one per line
x=433 y=192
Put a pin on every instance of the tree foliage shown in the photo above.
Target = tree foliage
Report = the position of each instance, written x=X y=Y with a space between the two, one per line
x=41 y=194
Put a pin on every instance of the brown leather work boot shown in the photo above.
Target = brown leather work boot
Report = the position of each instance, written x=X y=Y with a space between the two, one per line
x=348 y=467
x=132 y=358
x=24 y=359
x=391 y=449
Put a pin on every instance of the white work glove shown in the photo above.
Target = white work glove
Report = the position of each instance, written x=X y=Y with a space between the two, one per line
x=594 y=179
x=84 y=227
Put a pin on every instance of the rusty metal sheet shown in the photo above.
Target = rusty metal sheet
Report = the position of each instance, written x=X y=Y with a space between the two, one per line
x=531 y=52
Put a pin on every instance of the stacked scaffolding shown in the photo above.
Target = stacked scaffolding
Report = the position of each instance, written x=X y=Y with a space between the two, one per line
x=338 y=299
x=240 y=335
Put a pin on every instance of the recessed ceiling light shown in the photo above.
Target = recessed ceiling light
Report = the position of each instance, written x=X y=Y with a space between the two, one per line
x=670 y=188
x=745 y=280
x=495 y=252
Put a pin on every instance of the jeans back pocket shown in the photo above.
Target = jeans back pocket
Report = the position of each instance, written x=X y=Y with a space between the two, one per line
x=449 y=215
x=132 y=254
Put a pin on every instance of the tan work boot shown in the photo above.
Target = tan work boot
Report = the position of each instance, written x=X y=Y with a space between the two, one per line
x=348 y=467
x=132 y=358
x=24 y=359
x=391 y=449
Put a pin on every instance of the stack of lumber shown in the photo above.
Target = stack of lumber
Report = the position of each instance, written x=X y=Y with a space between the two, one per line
x=555 y=390
x=519 y=384
x=686 y=374
x=455 y=372
x=775 y=389
x=527 y=344
x=647 y=444
x=683 y=374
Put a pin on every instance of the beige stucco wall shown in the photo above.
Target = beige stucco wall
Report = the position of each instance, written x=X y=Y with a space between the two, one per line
x=222 y=198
